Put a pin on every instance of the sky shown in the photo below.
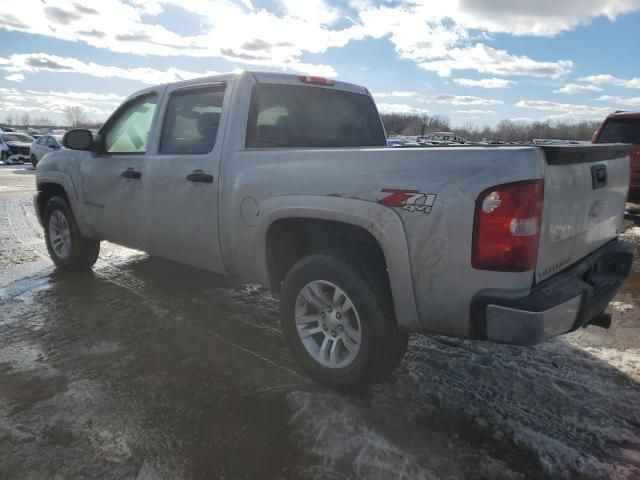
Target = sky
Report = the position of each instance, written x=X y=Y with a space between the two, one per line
x=477 y=61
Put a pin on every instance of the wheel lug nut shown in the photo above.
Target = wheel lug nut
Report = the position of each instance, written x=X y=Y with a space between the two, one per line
x=333 y=333
x=341 y=328
x=325 y=328
x=329 y=309
x=322 y=315
x=338 y=315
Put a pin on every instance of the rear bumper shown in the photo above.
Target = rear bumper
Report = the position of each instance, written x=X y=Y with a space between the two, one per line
x=569 y=300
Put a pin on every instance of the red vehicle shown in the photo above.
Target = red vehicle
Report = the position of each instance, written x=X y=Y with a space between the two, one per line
x=624 y=127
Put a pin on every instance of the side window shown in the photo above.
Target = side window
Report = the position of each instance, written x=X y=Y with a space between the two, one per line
x=51 y=142
x=129 y=133
x=191 y=121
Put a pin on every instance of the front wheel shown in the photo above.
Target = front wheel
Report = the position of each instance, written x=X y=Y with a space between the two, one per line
x=339 y=326
x=34 y=161
x=67 y=247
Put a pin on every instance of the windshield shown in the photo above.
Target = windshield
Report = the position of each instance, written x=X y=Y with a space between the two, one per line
x=618 y=130
x=15 y=137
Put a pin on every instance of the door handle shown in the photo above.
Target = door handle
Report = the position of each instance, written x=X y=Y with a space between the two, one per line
x=200 y=176
x=131 y=173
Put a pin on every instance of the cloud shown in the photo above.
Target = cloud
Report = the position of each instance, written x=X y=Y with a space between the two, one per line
x=476 y=112
x=441 y=98
x=485 y=82
x=485 y=59
x=565 y=111
x=627 y=102
x=573 y=89
x=402 y=94
x=464 y=100
x=400 y=108
x=440 y=37
x=611 y=80
x=542 y=17
x=36 y=62
x=54 y=102
x=63 y=17
x=128 y=27
x=15 y=77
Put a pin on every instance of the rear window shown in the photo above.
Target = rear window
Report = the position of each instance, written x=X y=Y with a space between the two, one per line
x=618 y=130
x=302 y=116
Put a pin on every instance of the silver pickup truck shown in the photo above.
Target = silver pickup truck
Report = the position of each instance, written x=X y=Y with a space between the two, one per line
x=286 y=181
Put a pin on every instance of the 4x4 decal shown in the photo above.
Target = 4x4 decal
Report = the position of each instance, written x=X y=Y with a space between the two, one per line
x=409 y=200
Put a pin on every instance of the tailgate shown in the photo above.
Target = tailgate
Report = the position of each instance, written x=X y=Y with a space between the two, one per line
x=585 y=190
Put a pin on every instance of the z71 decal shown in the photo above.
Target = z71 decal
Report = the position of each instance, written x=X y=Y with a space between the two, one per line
x=409 y=200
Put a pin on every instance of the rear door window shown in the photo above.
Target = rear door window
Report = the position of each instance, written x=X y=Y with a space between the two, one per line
x=303 y=116
x=191 y=121
x=620 y=130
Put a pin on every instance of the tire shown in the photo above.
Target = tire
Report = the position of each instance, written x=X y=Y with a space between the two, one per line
x=381 y=344
x=68 y=249
x=4 y=156
x=34 y=161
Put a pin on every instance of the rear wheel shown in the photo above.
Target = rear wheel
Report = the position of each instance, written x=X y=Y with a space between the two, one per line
x=34 y=161
x=5 y=156
x=339 y=326
x=67 y=247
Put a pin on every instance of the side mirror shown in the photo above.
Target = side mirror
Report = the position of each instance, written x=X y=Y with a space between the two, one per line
x=79 y=139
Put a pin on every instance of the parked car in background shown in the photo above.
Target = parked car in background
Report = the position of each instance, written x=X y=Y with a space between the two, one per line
x=624 y=127
x=441 y=138
x=6 y=129
x=44 y=145
x=14 y=147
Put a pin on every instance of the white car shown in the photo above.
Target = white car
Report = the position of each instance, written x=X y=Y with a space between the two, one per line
x=14 y=147
x=44 y=145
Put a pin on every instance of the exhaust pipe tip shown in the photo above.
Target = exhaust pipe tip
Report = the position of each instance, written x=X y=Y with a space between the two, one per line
x=603 y=321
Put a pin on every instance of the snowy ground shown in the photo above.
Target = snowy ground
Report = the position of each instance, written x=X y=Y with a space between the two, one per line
x=147 y=370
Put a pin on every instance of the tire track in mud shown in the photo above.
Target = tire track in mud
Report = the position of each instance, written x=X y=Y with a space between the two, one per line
x=124 y=344
x=513 y=399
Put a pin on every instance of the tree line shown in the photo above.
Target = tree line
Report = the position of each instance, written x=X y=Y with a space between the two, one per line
x=504 y=131
x=74 y=117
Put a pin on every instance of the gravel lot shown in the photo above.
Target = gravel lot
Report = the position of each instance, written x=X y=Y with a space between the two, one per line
x=149 y=370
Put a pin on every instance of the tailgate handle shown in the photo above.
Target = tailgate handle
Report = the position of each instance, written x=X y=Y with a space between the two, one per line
x=599 y=176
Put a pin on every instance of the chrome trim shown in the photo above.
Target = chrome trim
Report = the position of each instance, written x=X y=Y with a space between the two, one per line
x=522 y=327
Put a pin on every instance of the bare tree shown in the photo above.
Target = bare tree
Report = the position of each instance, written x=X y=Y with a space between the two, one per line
x=75 y=117
x=25 y=120
x=43 y=122
x=9 y=120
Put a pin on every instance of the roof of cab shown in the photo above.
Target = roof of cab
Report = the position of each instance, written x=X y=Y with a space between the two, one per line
x=273 y=77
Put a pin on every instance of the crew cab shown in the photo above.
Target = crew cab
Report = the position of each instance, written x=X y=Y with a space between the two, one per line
x=287 y=181
x=624 y=127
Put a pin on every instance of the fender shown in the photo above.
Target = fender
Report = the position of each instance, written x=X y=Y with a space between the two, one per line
x=64 y=180
x=382 y=222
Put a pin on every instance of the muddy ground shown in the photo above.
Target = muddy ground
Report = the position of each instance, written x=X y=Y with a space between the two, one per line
x=149 y=370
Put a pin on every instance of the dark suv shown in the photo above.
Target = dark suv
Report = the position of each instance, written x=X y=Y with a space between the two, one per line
x=624 y=127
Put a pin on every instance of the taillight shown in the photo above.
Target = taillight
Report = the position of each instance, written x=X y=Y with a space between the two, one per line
x=507 y=227
x=316 y=80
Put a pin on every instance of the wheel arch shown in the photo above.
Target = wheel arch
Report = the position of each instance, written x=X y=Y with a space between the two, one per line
x=374 y=222
x=57 y=184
